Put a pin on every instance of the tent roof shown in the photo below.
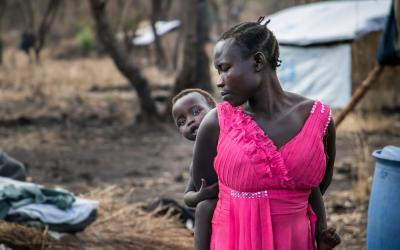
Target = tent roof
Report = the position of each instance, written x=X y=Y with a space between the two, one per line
x=328 y=22
x=145 y=36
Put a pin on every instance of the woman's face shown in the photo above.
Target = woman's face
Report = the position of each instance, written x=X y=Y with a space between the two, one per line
x=238 y=79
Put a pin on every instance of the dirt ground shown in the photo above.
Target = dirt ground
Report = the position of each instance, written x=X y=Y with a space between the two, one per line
x=71 y=122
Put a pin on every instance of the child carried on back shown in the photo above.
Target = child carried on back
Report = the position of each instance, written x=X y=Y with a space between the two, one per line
x=188 y=110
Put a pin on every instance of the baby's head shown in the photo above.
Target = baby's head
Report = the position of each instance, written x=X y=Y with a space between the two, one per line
x=188 y=110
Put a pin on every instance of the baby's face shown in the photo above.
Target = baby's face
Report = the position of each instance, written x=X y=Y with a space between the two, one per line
x=188 y=112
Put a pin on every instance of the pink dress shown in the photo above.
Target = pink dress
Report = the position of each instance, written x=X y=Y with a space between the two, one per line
x=263 y=197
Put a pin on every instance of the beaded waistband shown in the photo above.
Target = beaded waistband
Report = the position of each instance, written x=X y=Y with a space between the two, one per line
x=249 y=195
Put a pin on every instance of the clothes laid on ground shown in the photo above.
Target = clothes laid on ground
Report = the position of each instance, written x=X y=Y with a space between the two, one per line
x=79 y=226
x=11 y=168
x=29 y=203
x=15 y=196
x=264 y=190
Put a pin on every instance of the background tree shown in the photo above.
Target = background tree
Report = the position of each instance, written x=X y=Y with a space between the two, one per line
x=38 y=36
x=2 y=11
x=45 y=25
x=156 y=11
x=124 y=65
x=195 y=68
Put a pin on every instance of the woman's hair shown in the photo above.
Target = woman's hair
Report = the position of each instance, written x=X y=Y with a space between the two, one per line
x=210 y=100
x=255 y=37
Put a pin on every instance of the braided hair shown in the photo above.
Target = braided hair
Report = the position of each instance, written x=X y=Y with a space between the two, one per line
x=253 y=37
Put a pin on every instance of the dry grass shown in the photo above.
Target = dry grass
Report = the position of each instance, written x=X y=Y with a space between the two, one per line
x=127 y=226
x=22 y=237
x=356 y=122
x=66 y=89
x=119 y=226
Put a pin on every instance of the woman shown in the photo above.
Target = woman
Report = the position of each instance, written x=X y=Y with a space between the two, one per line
x=271 y=159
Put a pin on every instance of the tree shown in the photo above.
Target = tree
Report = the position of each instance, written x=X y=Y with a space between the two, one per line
x=125 y=66
x=2 y=11
x=39 y=37
x=156 y=10
x=195 y=72
x=45 y=26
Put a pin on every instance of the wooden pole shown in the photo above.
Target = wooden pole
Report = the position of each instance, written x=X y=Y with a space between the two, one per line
x=360 y=92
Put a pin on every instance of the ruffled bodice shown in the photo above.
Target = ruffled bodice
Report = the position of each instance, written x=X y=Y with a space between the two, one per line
x=264 y=190
x=245 y=150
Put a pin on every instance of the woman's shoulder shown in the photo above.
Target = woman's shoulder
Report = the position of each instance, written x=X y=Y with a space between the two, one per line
x=301 y=104
x=319 y=111
x=210 y=121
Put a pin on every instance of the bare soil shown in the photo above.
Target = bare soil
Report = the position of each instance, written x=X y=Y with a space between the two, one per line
x=72 y=123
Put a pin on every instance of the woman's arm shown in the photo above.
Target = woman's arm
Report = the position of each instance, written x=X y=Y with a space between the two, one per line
x=205 y=150
x=317 y=204
x=330 y=149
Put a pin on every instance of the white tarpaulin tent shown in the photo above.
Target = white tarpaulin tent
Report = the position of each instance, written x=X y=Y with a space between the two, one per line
x=315 y=45
x=145 y=36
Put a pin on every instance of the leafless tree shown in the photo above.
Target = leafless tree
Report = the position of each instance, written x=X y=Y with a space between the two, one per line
x=156 y=10
x=45 y=26
x=194 y=71
x=3 y=5
x=39 y=36
x=124 y=65
x=233 y=11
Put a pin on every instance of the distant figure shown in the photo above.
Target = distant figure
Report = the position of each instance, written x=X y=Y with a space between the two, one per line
x=27 y=43
x=11 y=168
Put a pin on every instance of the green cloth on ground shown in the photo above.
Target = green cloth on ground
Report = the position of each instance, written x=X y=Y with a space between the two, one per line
x=12 y=196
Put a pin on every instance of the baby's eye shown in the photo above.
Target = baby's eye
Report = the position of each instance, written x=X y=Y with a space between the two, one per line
x=224 y=67
x=180 y=122
x=196 y=111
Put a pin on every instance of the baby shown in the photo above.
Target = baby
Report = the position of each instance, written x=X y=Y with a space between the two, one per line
x=188 y=110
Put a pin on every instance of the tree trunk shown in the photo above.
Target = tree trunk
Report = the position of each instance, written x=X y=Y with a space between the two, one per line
x=3 y=4
x=155 y=15
x=233 y=11
x=28 y=15
x=126 y=67
x=216 y=10
x=194 y=72
x=45 y=26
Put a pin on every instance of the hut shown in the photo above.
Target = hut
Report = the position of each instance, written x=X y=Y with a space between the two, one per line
x=328 y=48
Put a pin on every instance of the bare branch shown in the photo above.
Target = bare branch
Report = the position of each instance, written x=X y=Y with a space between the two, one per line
x=45 y=25
x=125 y=66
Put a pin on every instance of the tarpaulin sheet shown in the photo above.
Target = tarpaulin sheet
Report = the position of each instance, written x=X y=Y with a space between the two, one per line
x=145 y=36
x=322 y=72
x=328 y=22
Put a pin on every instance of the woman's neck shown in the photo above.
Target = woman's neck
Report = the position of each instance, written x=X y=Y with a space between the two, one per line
x=270 y=99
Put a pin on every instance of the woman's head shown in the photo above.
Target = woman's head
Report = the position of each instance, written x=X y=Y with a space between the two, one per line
x=241 y=56
x=188 y=110
x=253 y=37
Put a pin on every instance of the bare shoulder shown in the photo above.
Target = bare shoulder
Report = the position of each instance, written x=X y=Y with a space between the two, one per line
x=209 y=127
x=210 y=121
x=301 y=104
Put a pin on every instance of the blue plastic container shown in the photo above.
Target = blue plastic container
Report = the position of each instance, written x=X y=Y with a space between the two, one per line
x=383 y=231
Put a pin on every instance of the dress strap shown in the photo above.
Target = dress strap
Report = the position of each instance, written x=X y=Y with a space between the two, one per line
x=322 y=114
